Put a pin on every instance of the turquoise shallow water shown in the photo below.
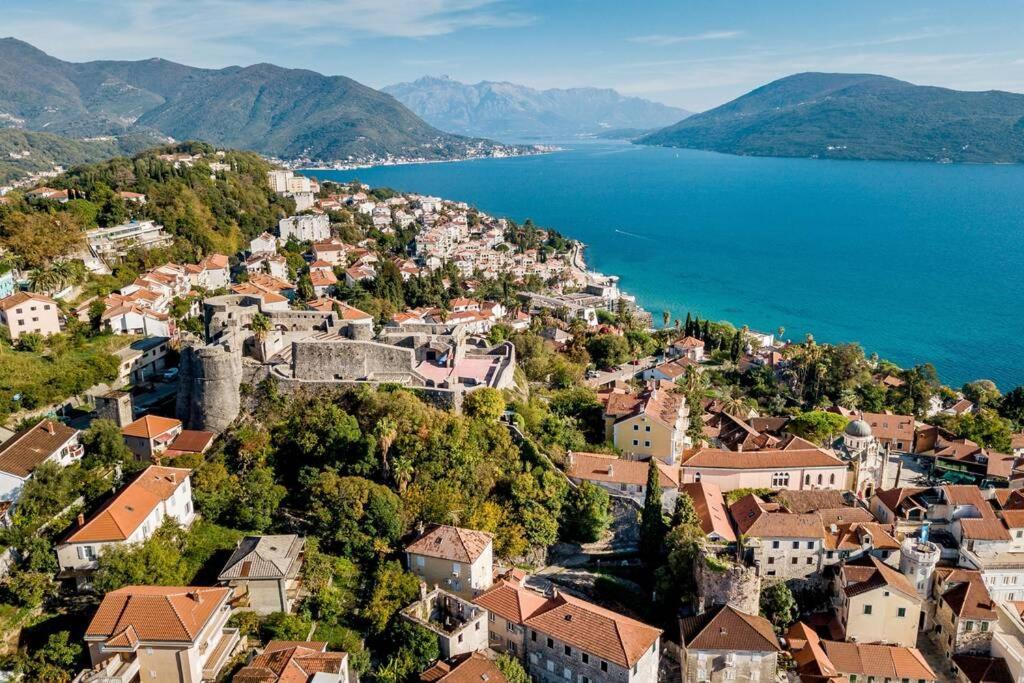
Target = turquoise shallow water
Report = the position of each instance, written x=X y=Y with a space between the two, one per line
x=917 y=262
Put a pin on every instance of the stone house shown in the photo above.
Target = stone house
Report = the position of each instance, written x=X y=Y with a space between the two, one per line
x=874 y=603
x=460 y=561
x=460 y=626
x=965 y=614
x=264 y=572
x=161 y=633
x=471 y=668
x=725 y=644
x=132 y=516
x=709 y=504
x=626 y=478
x=570 y=639
x=509 y=603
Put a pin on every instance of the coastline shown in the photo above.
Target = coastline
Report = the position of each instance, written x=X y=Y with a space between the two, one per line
x=537 y=150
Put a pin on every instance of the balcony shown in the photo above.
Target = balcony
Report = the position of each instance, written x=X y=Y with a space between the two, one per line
x=112 y=670
x=221 y=653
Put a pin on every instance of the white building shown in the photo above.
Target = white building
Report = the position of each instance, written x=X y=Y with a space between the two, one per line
x=47 y=441
x=305 y=228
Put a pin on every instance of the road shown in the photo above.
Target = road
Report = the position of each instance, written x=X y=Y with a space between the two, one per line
x=628 y=371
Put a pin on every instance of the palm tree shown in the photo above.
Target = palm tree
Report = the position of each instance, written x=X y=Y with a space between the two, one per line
x=402 y=471
x=693 y=381
x=385 y=431
x=260 y=325
x=665 y=317
x=42 y=280
x=736 y=404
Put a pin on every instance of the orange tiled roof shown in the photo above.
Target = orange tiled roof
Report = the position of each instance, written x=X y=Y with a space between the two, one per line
x=598 y=631
x=760 y=460
x=614 y=470
x=30 y=447
x=149 y=426
x=709 y=504
x=469 y=668
x=123 y=514
x=451 y=543
x=291 y=662
x=156 y=613
x=510 y=599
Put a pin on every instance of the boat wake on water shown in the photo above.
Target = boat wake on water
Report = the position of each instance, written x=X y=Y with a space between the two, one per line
x=633 y=234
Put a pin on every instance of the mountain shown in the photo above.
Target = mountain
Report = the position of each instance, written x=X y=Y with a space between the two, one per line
x=509 y=111
x=858 y=116
x=269 y=109
x=25 y=152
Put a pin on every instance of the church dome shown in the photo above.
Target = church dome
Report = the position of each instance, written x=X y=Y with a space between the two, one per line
x=858 y=428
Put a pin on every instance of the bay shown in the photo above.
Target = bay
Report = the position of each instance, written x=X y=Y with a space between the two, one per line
x=917 y=262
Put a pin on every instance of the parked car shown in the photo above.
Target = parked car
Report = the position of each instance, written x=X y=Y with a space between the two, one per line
x=170 y=374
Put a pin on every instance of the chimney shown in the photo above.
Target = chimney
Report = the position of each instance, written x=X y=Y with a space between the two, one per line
x=50 y=428
x=197 y=596
x=611 y=470
x=81 y=519
x=568 y=458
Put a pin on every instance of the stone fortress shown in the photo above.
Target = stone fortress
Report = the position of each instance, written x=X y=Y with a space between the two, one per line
x=326 y=349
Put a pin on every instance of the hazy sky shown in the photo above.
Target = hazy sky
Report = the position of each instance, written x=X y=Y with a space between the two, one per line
x=691 y=53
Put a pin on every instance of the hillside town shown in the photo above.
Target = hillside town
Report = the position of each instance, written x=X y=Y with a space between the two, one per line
x=394 y=438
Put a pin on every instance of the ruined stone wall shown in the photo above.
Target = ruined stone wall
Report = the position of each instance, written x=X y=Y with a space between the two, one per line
x=320 y=360
x=736 y=585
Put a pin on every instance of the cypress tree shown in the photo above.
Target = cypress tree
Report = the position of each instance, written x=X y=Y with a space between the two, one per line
x=684 y=512
x=734 y=353
x=707 y=330
x=688 y=328
x=652 y=524
x=696 y=327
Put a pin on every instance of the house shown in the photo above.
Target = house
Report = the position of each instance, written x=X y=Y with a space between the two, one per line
x=820 y=661
x=215 y=272
x=142 y=360
x=709 y=504
x=322 y=277
x=295 y=662
x=265 y=244
x=652 y=423
x=134 y=197
x=161 y=633
x=24 y=312
x=264 y=572
x=688 y=347
x=332 y=251
x=469 y=668
x=670 y=370
x=135 y=319
x=974 y=669
x=794 y=469
x=627 y=478
x=965 y=613
x=305 y=228
x=571 y=639
x=460 y=560
x=460 y=626
x=150 y=435
x=509 y=603
x=131 y=516
x=725 y=644
x=876 y=604
x=188 y=442
x=21 y=454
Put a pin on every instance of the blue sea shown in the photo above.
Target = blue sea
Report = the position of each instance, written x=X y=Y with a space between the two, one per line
x=917 y=262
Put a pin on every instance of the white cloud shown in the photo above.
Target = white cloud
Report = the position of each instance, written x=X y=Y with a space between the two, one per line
x=220 y=32
x=663 y=40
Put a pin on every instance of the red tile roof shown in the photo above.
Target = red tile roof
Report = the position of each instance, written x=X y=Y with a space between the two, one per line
x=451 y=543
x=30 y=447
x=156 y=613
x=598 y=467
x=123 y=514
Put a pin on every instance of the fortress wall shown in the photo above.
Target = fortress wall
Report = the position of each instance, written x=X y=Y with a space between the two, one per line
x=319 y=360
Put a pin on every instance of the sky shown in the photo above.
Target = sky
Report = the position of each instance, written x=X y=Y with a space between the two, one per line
x=689 y=53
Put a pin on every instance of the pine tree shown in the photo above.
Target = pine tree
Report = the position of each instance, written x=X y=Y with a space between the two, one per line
x=652 y=524
x=684 y=512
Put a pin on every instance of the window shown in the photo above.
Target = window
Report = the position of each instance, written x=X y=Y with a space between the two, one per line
x=533 y=636
x=867 y=609
x=604 y=665
x=832 y=478
x=584 y=679
x=636 y=442
x=821 y=479
x=810 y=545
x=968 y=625
x=567 y=650
x=647 y=428
x=567 y=673
x=775 y=545
x=796 y=545
x=636 y=428
x=795 y=560
x=901 y=612
x=510 y=627
x=780 y=479
x=490 y=617
x=585 y=657
x=456 y=568
x=551 y=643
x=647 y=444
x=420 y=560
x=771 y=572
x=460 y=637
x=810 y=560
x=771 y=560
x=984 y=626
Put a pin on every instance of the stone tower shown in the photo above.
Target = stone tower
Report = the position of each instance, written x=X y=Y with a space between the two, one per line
x=208 y=390
x=721 y=581
x=918 y=558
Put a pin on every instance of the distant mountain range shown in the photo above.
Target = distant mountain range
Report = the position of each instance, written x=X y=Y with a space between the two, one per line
x=858 y=116
x=508 y=111
x=283 y=112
